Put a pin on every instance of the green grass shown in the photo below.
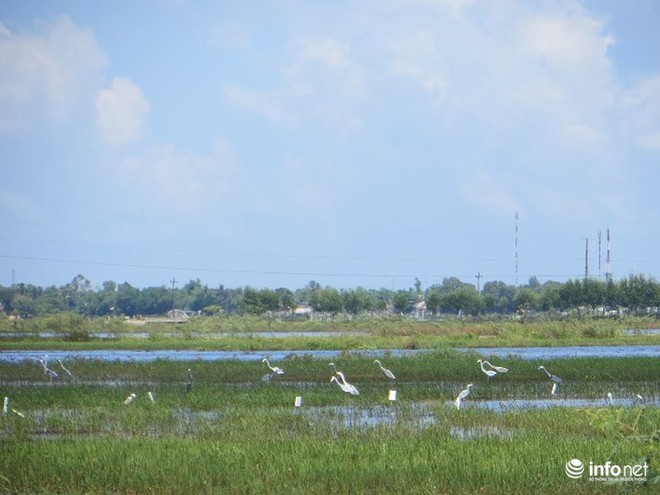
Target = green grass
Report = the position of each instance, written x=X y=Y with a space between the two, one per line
x=235 y=434
x=396 y=333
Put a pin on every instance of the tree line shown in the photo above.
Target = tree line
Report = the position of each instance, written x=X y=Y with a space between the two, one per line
x=635 y=293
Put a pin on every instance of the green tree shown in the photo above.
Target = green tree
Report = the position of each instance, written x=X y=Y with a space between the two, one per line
x=526 y=299
x=433 y=299
x=357 y=301
x=250 y=302
x=287 y=300
x=401 y=301
x=128 y=298
x=498 y=297
x=326 y=300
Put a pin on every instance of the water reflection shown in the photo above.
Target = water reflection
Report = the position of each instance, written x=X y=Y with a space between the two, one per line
x=416 y=415
x=501 y=406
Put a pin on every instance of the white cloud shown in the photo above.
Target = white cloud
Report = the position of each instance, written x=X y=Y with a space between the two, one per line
x=122 y=110
x=489 y=193
x=169 y=182
x=573 y=42
x=17 y=206
x=643 y=101
x=265 y=103
x=47 y=73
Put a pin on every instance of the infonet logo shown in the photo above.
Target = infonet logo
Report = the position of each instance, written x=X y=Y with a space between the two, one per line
x=575 y=469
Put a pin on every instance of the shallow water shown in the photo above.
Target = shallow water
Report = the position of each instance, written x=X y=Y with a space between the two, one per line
x=536 y=353
x=571 y=351
x=513 y=404
x=208 y=335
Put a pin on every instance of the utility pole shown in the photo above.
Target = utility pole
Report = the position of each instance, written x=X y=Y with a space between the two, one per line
x=599 y=252
x=478 y=277
x=173 y=283
x=586 y=259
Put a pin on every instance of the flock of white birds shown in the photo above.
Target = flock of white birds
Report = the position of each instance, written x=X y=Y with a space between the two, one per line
x=339 y=378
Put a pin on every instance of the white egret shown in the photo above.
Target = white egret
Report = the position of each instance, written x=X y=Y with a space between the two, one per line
x=47 y=371
x=610 y=398
x=333 y=367
x=499 y=369
x=553 y=391
x=344 y=385
x=189 y=385
x=129 y=399
x=274 y=371
x=552 y=377
x=488 y=373
x=6 y=409
x=63 y=368
x=463 y=395
x=385 y=371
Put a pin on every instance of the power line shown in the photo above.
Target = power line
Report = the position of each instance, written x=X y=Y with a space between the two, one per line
x=269 y=272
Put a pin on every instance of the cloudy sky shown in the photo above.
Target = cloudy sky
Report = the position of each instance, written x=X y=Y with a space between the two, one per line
x=353 y=142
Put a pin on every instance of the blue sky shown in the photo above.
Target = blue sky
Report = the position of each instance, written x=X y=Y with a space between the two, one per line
x=354 y=143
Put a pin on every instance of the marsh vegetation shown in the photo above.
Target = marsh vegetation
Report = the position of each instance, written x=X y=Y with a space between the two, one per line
x=234 y=433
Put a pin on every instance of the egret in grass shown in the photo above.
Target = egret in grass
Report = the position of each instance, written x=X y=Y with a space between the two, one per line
x=385 y=371
x=189 y=385
x=343 y=384
x=610 y=398
x=130 y=399
x=553 y=391
x=47 y=371
x=151 y=397
x=63 y=368
x=499 y=369
x=463 y=395
x=488 y=373
x=552 y=377
x=274 y=371
x=556 y=381
x=333 y=367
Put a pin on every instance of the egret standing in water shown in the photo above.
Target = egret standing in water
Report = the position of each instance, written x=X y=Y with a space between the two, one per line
x=463 y=395
x=129 y=399
x=385 y=371
x=488 y=373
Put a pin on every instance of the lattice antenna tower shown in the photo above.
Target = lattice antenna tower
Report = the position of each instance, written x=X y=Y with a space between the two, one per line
x=608 y=258
x=516 y=249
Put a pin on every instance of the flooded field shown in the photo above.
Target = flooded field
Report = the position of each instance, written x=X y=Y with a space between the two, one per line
x=532 y=353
